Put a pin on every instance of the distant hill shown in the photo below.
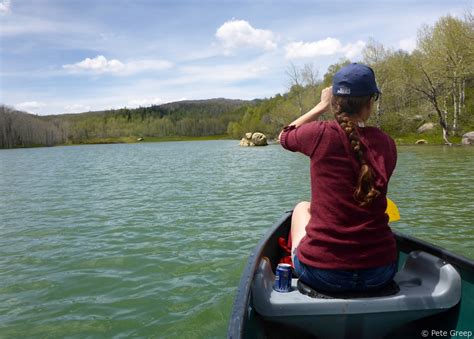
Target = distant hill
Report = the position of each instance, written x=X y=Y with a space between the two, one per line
x=212 y=106
x=216 y=105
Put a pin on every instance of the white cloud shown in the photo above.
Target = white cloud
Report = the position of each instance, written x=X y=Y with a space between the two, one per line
x=328 y=46
x=5 y=7
x=100 y=64
x=75 y=108
x=29 y=106
x=236 y=34
x=408 y=44
x=144 y=102
x=353 y=50
x=220 y=73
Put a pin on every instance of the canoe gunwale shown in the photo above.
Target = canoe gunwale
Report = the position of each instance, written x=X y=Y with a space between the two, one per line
x=239 y=309
x=408 y=243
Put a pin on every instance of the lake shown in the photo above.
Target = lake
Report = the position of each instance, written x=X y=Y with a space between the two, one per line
x=150 y=239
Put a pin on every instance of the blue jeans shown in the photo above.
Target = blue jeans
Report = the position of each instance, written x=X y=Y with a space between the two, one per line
x=338 y=280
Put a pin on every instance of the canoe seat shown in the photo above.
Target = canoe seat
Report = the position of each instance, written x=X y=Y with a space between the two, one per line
x=390 y=289
x=428 y=285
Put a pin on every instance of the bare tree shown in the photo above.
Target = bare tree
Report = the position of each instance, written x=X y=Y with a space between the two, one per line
x=20 y=129
x=310 y=75
x=303 y=80
x=296 y=84
x=432 y=88
x=375 y=55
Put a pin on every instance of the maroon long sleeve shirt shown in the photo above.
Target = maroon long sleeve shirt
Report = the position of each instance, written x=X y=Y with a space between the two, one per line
x=341 y=234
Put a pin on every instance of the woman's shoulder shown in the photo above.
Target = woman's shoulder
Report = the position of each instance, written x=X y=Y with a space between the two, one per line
x=318 y=125
x=331 y=124
x=376 y=132
x=382 y=141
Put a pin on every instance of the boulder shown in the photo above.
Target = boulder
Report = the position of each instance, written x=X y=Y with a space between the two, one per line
x=254 y=139
x=426 y=127
x=421 y=142
x=259 y=139
x=468 y=138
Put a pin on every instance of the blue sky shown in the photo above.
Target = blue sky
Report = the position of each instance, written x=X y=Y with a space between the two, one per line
x=79 y=55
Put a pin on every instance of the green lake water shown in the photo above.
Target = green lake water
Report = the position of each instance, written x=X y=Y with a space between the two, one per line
x=150 y=239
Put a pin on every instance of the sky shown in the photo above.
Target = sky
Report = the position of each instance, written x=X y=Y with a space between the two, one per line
x=68 y=56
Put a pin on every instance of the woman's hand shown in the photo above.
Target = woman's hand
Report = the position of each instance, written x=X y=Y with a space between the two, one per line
x=326 y=96
x=316 y=111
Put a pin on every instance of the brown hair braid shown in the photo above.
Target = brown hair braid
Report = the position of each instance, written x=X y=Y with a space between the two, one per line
x=344 y=108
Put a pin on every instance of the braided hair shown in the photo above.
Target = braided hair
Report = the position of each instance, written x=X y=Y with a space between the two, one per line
x=344 y=108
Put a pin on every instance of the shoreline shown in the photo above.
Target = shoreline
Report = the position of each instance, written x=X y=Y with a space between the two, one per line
x=128 y=140
x=408 y=140
x=134 y=140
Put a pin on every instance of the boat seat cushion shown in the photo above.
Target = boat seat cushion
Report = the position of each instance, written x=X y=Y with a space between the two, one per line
x=425 y=282
x=390 y=289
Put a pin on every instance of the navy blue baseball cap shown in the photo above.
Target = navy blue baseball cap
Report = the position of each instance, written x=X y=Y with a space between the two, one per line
x=355 y=80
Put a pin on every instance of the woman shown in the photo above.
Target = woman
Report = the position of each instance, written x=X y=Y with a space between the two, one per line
x=341 y=240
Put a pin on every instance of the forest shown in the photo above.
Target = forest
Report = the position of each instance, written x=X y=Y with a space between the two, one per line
x=433 y=83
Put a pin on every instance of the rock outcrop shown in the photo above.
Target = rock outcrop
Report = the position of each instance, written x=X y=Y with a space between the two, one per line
x=468 y=138
x=254 y=139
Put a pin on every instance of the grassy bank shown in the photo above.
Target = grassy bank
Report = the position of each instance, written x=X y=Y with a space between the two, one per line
x=131 y=140
x=408 y=139
x=432 y=139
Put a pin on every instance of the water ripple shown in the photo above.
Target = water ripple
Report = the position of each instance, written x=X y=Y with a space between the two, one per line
x=150 y=239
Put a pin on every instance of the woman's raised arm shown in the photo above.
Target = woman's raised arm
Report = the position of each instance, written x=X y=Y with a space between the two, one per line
x=316 y=111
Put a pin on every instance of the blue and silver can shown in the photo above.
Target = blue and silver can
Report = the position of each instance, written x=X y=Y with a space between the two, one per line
x=283 y=278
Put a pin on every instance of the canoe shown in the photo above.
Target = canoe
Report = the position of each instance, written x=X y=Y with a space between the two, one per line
x=434 y=298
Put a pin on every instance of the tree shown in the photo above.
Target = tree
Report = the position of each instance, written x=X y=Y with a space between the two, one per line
x=376 y=55
x=296 y=87
x=430 y=83
x=448 y=50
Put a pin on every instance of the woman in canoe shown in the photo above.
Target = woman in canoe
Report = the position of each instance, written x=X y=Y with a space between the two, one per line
x=341 y=240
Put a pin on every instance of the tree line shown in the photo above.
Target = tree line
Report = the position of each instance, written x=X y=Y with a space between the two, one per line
x=184 y=118
x=20 y=129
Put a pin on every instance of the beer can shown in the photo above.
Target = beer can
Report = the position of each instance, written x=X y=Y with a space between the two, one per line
x=283 y=278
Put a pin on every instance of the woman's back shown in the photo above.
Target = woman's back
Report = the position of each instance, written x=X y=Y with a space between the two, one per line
x=341 y=234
